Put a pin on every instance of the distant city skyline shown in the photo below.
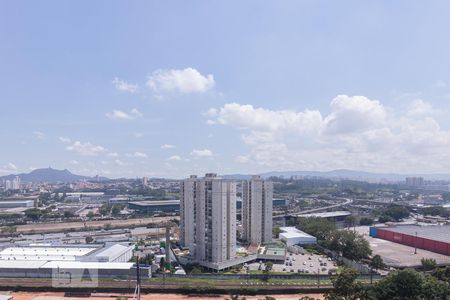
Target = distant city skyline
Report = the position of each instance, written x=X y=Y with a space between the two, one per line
x=121 y=89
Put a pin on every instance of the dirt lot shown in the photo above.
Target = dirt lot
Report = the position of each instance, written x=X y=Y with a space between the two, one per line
x=60 y=296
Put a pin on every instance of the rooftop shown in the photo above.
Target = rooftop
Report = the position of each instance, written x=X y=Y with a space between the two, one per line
x=329 y=214
x=156 y=202
x=432 y=232
x=289 y=232
x=44 y=253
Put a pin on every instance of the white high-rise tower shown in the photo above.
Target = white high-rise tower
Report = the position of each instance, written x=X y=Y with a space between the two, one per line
x=257 y=209
x=208 y=218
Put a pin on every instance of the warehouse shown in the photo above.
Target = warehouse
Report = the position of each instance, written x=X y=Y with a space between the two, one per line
x=434 y=238
x=17 y=204
x=156 y=206
x=293 y=236
x=41 y=261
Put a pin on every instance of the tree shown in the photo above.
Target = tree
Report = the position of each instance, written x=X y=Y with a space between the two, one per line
x=318 y=227
x=90 y=215
x=345 y=286
x=349 y=244
x=428 y=264
x=68 y=214
x=33 y=214
x=376 y=262
x=396 y=212
x=350 y=221
x=365 y=221
x=434 y=289
x=115 y=210
x=405 y=284
x=268 y=268
x=89 y=239
x=276 y=231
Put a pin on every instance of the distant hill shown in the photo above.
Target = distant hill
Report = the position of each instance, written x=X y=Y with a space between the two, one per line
x=343 y=174
x=47 y=175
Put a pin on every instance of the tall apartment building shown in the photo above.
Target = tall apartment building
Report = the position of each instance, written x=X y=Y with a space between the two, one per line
x=257 y=208
x=208 y=218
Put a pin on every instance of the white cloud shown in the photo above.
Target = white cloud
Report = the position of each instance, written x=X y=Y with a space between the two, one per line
x=418 y=107
x=74 y=162
x=138 y=135
x=39 y=135
x=121 y=115
x=112 y=154
x=350 y=114
x=357 y=133
x=65 y=140
x=167 y=146
x=174 y=157
x=139 y=155
x=9 y=167
x=198 y=153
x=86 y=149
x=183 y=81
x=260 y=119
x=124 y=86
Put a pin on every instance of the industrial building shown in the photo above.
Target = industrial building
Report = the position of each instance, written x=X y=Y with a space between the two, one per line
x=293 y=236
x=155 y=206
x=257 y=210
x=17 y=204
x=107 y=261
x=434 y=238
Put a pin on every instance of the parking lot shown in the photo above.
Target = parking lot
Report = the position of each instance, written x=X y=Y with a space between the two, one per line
x=299 y=263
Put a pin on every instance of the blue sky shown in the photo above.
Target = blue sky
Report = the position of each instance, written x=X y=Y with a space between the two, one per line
x=170 y=88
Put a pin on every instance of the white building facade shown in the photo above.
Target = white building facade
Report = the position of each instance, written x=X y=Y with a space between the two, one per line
x=208 y=218
x=257 y=210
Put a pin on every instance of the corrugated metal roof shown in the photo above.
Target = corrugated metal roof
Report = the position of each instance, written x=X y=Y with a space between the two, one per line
x=87 y=265
x=23 y=264
x=114 y=250
x=432 y=232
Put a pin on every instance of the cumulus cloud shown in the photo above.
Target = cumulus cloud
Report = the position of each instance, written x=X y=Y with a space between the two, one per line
x=358 y=133
x=199 y=153
x=418 y=108
x=65 y=140
x=137 y=155
x=121 y=115
x=7 y=168
x=124 y=86
x=183 y=81
x=174 y=157
x=86 y=149
x=350 y=114
x=167 y=146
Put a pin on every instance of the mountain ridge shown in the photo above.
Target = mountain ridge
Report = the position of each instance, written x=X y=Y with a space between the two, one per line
x=47 y=175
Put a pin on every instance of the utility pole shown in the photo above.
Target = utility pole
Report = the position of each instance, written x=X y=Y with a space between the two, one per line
x=137 y=290
x=415 y=244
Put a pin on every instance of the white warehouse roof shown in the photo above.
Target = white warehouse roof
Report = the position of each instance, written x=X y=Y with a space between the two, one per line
x=44 y=253
x=293 y=236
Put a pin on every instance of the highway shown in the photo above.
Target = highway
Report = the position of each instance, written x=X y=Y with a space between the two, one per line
x=347 y=201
